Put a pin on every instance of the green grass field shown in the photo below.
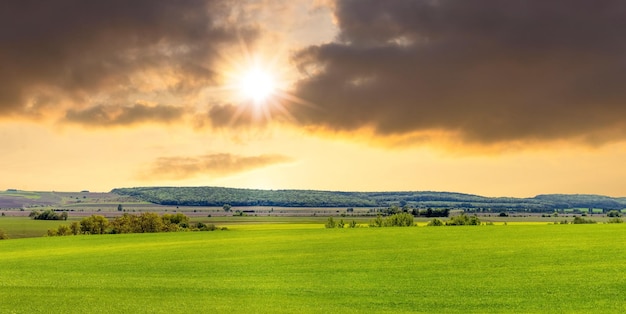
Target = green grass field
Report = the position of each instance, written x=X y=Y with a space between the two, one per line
x=300 y=269
x=24 y=227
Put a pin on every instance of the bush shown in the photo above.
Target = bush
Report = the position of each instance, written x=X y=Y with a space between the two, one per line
x=378 y=222
x=435 y=223
x=614 y=213
x=399 y=220
x=47 y=214
x=3 y=235
x=200 y=226
x=580 y=220
x=330 y=223
x=64 y=230
x=94 y=224
x=463 y=220
x=341 y=224
x=615 y=221
x=395 y=220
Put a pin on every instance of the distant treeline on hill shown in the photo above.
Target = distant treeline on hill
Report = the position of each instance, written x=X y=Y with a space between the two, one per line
x=219 y=196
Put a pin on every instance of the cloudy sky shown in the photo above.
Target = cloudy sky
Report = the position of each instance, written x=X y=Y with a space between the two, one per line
x=490 y=97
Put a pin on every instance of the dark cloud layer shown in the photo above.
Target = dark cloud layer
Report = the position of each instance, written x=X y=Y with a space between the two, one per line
x=61 y=54
x=488 y=71
x=216 y=165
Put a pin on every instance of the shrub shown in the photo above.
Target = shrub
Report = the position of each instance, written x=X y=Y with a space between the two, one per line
x=341 y=224
x=614 y=213
x=378 y=222
x=64 y=230
x=399 y=220
x=463 y=220
x=435 y=223
x=330 y=223
x=94 y=224
x=205 y=227
x=353 y=224
x=3 y=235
x=395 y=220
x=503 y=214
x=615 y=221
x=47 y=214
x=580 y=220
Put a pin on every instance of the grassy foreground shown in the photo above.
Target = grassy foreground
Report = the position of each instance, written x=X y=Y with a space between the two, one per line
x=523 y=268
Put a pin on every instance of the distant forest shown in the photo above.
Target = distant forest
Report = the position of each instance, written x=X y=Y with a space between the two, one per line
x=219 y=196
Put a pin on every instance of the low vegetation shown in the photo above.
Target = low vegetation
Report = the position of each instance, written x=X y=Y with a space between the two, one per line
x=127 y=223
x=463 y=220
x=396 y=220
x=48 y=214
x=3 y=235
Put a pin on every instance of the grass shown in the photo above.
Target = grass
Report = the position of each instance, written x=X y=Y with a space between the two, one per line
x=24 y=227
x=521 y=268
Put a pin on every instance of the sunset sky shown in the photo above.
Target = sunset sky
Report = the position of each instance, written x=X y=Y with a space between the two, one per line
x=489 y=97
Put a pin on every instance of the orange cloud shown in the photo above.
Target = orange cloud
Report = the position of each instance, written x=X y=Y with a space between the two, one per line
x=217 y=165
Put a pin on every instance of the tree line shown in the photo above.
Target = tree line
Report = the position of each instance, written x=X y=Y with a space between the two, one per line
x=218 y=196
x=127 y=223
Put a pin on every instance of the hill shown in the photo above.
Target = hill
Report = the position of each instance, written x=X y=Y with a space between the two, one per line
x=219 y=196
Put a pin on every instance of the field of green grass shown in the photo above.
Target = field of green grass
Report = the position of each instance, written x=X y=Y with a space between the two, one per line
x=304 y=269
x=24 y=227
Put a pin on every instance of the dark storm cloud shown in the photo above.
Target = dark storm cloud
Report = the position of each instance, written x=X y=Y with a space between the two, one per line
x=216 y=165
x=104 y=116
x=61 y=53
x=488 y=71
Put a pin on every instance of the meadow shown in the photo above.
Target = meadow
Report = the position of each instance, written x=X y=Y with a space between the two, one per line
x=304 y=268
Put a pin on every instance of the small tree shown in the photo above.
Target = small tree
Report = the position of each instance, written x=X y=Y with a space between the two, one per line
x=226 y=207
x=330 y=223
x=120 y=208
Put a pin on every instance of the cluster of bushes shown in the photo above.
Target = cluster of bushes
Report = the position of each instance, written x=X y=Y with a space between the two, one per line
x=331 y=223
x=460 y=220
x=127 y=223
x=614 y=213
x=3 y=235
x=615 y=221
x=47 y=214
x=396 y=220
x=578 y=220
x=463 y=220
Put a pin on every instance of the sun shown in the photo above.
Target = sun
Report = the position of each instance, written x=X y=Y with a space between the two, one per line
x=257 y=85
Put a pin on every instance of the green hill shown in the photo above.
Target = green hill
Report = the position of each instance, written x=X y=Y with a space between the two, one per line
x=218 y=196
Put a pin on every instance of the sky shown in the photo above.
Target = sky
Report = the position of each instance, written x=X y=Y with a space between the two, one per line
x=488 y=97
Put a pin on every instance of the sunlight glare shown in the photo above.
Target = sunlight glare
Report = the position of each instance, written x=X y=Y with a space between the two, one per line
x=257 y=85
